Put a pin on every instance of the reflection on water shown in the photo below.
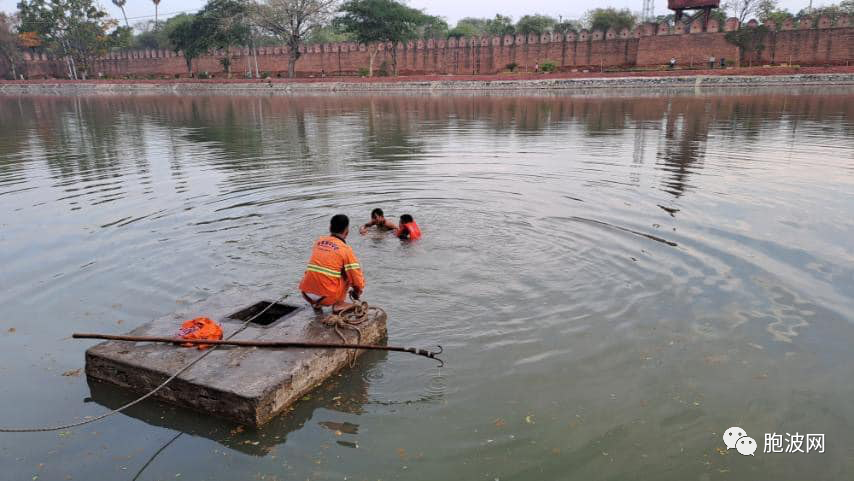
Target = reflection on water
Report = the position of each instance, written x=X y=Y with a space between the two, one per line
x=616 y=278
x=345 y=393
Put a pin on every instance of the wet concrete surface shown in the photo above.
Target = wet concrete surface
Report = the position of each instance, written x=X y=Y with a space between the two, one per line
x=246 y=385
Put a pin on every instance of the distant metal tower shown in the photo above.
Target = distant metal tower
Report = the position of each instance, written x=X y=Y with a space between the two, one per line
x=648 y=14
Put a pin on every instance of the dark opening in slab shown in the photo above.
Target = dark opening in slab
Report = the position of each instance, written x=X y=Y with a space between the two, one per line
x=271 y=315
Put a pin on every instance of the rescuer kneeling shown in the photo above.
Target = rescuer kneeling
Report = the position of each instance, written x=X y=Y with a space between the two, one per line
x=332 y=269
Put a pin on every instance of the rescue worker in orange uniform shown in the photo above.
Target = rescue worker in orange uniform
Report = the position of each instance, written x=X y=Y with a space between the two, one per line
x=332 y=269
x=408 y=229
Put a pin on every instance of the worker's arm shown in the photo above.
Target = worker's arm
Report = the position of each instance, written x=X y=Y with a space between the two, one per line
x=353 y=271
x=390 y=225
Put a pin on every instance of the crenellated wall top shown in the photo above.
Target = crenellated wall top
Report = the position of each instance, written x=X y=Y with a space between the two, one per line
x=506 y=41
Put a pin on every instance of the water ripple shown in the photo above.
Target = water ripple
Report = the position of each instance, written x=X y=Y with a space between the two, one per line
x=603 y=272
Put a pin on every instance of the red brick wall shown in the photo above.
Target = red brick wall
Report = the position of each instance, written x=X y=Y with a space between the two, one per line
x=645 y=46
x=688 y=48
x=812 y=46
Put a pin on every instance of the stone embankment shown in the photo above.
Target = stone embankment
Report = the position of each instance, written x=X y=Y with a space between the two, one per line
x=435 y=84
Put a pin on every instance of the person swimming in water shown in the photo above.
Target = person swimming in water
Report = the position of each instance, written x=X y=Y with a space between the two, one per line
x=377 y=219
x=408 y=229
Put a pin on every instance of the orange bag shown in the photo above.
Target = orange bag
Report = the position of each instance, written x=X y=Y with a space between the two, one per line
x=200 y=328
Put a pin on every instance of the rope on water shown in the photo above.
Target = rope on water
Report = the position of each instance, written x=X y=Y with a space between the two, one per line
x=147 y=395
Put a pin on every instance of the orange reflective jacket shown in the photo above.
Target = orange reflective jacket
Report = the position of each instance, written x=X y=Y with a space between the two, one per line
x=409 y=231
x=333 y=267
x=200 y=328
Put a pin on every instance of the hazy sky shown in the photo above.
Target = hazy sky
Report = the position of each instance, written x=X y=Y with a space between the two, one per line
x=452 y=10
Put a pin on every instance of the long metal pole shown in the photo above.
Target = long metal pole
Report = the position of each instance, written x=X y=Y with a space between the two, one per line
x=263 y=344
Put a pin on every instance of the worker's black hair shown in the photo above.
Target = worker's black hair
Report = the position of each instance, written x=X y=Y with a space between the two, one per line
x=339 y=224
x=377 y=213
x=406 y=218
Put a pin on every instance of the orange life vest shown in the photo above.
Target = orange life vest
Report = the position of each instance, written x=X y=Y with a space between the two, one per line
x=409 y=231
x=200 y=328
x=332 y=269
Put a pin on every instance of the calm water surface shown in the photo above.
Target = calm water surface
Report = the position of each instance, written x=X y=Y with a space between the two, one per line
x=616 y=279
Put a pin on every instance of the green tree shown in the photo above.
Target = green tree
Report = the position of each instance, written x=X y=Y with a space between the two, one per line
x=147 y=36
x=764 y=9
x=464 y=30
x=166 y=28
x=567 y=26
x=718 y=15
x=293 y=21
x=432 y=27
x=469 y=27
x=606 y=18
x=224 y=24
x=121 y=37
x=750 y=42
x=768 y=10
x=10 y=54
x=188 y=37
x=833 y=11
x=373 y=21
x=158 y=36
x=500 y=25
x=75 y=30
x=778 y=17
x=326 y=34
x=538 y=24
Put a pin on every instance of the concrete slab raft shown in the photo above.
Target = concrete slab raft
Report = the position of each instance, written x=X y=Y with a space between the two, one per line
x=246 y=385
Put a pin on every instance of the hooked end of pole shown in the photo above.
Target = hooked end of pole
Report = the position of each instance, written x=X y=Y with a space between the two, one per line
x=433 y=355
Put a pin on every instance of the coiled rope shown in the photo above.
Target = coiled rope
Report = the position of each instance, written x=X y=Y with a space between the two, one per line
x=350 y=318
x=147 y=395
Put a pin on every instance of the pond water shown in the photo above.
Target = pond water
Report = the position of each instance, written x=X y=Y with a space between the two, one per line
x=616 y=279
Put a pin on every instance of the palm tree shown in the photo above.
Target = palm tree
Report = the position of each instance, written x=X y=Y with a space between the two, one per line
x=121 y=4
x=156 y=3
